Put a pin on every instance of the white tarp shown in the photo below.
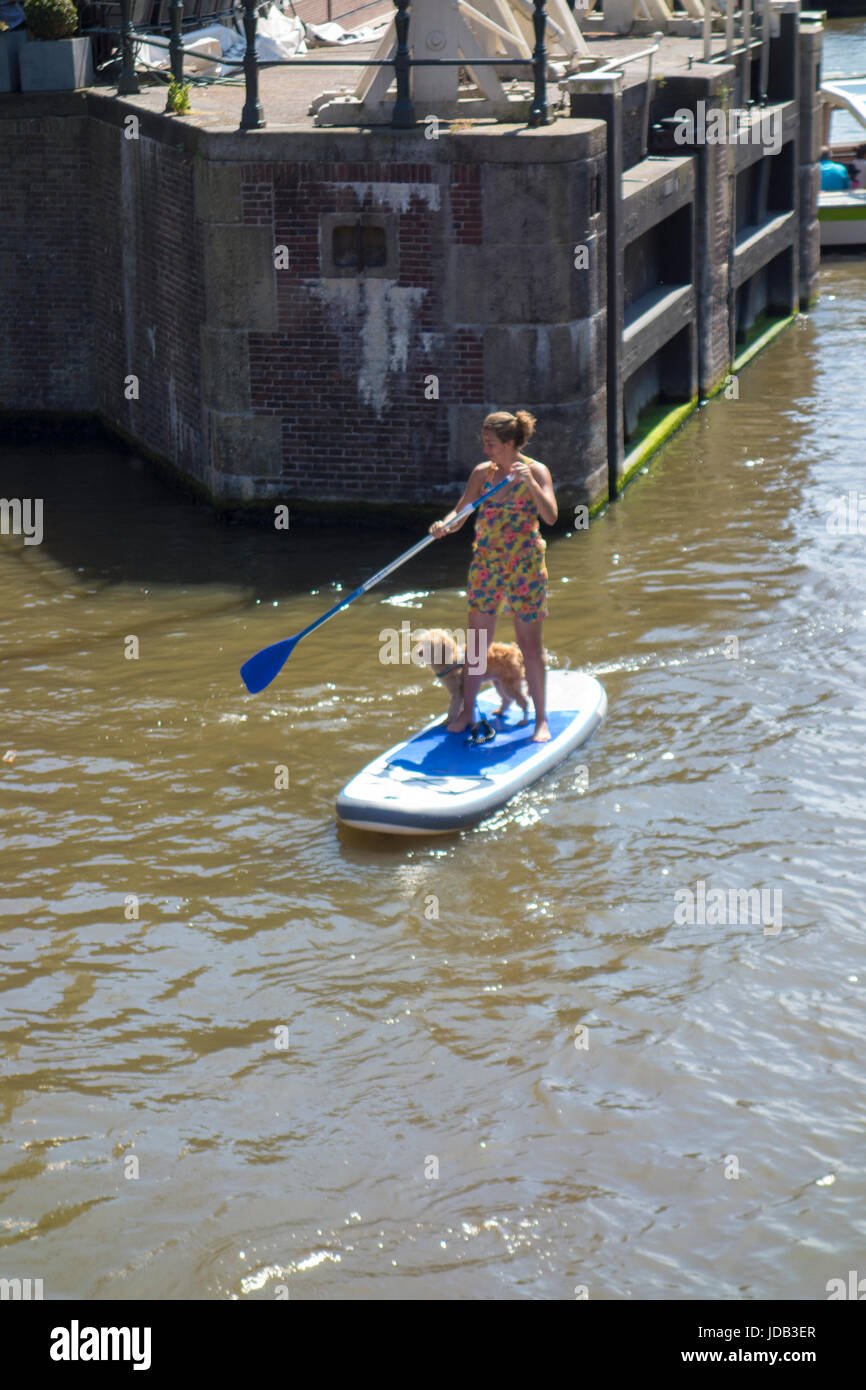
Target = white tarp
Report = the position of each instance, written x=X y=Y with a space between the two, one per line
x=331 y=33
x=278 y=36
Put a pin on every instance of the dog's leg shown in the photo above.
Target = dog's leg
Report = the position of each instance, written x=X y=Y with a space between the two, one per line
x=523 y=702
x=504 y=697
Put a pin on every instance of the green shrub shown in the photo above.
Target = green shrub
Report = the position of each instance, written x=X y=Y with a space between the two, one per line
x=178 y=97
x=51 y=19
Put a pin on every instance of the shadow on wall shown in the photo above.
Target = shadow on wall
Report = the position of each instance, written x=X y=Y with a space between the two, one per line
x=108 y=517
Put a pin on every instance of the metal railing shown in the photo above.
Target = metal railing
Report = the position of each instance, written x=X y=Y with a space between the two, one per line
x=647 y=53
x=252 y=116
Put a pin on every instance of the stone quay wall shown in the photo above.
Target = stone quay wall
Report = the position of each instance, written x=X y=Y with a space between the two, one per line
x=182 y=284
x=200 y=290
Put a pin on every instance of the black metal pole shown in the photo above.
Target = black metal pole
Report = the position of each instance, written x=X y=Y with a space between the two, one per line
x=128 y=83
x=538 y=114
x=253 y=115
x=175 y=43
x=403 y=115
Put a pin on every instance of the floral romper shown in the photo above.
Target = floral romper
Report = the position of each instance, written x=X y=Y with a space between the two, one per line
x=508 y=555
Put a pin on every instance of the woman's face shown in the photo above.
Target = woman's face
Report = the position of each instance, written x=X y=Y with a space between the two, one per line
x=494 y=448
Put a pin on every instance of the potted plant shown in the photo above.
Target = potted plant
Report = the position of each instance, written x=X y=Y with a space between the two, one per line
x=51 y=59
x=11 y=36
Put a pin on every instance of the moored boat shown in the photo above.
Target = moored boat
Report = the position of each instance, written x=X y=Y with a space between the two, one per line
x=842 y=214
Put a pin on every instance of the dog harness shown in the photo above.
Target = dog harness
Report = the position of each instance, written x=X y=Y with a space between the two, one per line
x=446 y=670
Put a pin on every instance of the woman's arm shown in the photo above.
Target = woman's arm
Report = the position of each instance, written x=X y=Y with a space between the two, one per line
x=537 y=478
x=473 y=491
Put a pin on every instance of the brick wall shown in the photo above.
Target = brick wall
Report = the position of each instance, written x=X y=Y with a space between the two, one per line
x=152 y=296
x=143 y=265
x=47 y=329
x=348 y=363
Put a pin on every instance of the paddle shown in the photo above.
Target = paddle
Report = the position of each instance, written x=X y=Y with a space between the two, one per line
x=261 y=669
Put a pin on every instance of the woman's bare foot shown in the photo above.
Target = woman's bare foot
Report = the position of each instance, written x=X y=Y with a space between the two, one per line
x=456 y=726
x=542 y=733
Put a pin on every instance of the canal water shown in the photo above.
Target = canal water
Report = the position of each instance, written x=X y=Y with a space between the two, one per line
x=249 y=1054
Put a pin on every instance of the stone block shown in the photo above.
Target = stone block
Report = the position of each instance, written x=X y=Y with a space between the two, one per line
x=246 y=445
x=531 y=203
x=225 y=369
x=217 y=191
x=239 y=277
x=550 y=362
x=502 y=284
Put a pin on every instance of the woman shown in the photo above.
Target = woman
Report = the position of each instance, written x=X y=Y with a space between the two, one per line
x=508 y=555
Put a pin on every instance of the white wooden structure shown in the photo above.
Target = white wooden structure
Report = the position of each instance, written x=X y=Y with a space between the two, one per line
x=461 y=30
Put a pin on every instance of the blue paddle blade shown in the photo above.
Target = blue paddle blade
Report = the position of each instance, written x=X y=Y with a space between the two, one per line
x=261 y=669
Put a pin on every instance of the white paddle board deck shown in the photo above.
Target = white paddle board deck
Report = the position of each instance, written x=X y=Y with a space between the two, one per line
x=436 y=781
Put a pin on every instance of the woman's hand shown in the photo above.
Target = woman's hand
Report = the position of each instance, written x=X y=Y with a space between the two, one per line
x=540 y=485
x=439 y=529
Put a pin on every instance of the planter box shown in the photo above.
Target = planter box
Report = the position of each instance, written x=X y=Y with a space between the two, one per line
x=55 y=65
x=10 y=42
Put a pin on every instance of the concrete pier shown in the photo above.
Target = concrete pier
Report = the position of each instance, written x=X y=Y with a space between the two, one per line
x=310 y=315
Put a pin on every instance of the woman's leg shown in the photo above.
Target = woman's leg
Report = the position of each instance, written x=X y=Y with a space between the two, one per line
x=481 y=629
x=529 y=640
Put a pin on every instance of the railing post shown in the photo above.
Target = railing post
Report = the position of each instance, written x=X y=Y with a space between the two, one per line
x=127 y=85
x=765 y=50
x=253 y=115
x=403 y=115
x=175 y=43
x=648 y=97
x=538 y=114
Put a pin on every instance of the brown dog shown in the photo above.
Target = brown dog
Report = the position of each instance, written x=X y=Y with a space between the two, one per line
x=438 y=650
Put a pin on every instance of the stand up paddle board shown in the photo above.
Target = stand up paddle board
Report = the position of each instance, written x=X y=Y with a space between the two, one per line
x=436 y=781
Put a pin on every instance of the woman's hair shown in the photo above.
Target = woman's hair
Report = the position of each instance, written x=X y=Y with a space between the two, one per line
x=511 y=429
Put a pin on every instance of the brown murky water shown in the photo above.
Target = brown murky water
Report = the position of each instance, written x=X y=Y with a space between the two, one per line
x=435 y=1127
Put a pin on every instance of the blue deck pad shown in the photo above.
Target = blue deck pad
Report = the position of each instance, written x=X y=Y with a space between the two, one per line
x=440 y=754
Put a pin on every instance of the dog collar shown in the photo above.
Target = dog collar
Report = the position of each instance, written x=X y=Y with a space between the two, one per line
x=446 y=670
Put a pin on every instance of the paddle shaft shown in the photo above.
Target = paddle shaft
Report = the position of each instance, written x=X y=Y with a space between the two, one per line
x=395 y=564
x=261 y=668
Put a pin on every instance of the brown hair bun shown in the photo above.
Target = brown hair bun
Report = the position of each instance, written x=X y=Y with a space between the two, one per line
x=511 y=429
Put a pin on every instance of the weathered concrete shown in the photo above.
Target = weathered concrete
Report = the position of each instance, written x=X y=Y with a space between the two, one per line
x=59 y=65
